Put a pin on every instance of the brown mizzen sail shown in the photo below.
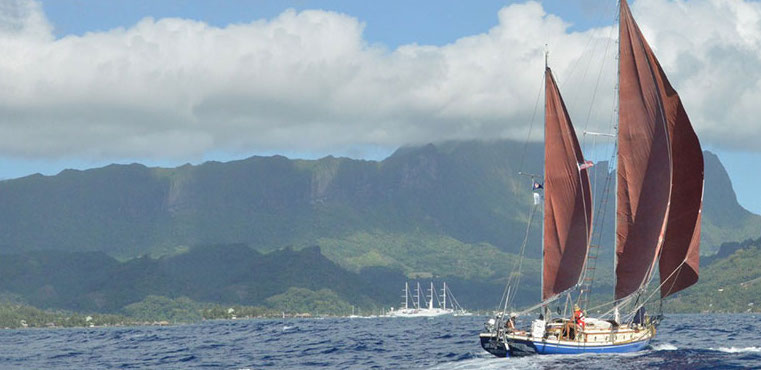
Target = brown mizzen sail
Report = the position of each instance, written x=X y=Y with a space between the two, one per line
x=660 y=173
x=568 y=198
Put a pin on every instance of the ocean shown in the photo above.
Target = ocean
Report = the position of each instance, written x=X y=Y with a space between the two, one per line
x=683 y=341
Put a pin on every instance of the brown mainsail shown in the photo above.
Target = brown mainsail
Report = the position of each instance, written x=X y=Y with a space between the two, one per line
x=568 y=198
x=680 y=254
x=660 y=173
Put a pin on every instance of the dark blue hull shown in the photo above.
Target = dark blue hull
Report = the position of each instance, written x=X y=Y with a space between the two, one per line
x=520 y=347
x=494 y=346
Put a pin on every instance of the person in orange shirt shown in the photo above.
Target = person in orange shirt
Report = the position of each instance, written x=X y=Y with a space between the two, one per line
x=578 y=316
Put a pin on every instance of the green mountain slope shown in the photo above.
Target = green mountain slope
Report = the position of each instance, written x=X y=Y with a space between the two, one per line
x=724 y=220
x=452 y=209
x=462 y=190
x=729 y=283
x=229 y=274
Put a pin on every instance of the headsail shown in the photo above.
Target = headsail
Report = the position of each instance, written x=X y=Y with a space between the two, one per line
x=568 y=198
x=660 y=173
x=680 y=254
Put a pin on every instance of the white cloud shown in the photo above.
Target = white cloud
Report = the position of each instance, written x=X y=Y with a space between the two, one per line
x=308 y=81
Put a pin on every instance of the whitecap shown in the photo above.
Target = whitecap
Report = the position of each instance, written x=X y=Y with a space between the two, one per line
x=738 y=349
x=488 y=362
x=665 y=347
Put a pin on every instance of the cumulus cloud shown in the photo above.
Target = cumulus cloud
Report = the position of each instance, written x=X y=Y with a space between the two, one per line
x=308 y=81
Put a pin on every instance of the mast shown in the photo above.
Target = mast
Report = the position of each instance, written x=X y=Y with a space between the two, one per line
x=406 y=295
x=430 y=303
x=417 y=295
x=544 y=176
x=445 y=295
x=615 y=201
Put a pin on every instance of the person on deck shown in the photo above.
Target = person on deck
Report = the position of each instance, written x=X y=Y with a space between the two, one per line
x=578 y=316
x=510 y=324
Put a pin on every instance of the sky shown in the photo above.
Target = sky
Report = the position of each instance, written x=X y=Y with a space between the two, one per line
x=84 y=83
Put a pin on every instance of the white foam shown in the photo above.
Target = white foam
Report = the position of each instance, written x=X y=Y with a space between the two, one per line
x=286 y=327
x=488 y=362
x=665 y=347
x=738 y=350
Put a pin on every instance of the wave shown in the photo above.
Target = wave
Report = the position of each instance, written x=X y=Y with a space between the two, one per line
x=665 y=347
x=737 y=349
x=486 y=363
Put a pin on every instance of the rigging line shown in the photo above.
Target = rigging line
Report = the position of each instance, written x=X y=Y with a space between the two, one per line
x=518 y=262
x=504 y=293
x=578 y=60
x=577 y=97
x=588 y=64
x=599 y=219
x=621 y=302
x=540 y=304
x=601 y=215
x=504 y=308
x=597 y=83
x=587 y=219
x=673 y=282
x=594 y=144
x=658 y=288
x=638 y=305
x=531 y=125
x=613 y=309
x=589 y=40
x=594 y=183
x=523 y=248
x=599 y=75
x=550 y=300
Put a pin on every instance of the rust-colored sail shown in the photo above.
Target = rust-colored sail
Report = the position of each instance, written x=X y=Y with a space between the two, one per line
x=660 y=173
x=644 y=163
x=568 y=198
x=680 y=254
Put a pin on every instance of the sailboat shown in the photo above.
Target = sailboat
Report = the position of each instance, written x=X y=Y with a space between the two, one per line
x=659 y=191
x=414 y=308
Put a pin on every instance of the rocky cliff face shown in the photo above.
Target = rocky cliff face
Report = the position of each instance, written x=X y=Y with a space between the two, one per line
x=468 y=191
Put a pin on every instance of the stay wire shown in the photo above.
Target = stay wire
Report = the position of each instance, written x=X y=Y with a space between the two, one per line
x=531 y=126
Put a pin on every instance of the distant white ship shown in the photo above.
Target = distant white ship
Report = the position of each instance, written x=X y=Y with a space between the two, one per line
x=412 y=307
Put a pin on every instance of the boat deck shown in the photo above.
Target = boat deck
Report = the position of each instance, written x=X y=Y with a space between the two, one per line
x=563 y=336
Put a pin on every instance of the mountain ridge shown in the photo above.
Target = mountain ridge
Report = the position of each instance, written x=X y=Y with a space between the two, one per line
x=463 y=190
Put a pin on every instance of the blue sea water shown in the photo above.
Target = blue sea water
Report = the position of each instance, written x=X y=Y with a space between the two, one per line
x=684 y=341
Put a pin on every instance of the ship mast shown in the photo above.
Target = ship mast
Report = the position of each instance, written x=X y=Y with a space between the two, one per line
x=545 y=311
x=417 y=295
x=430 y=302
x=406 y=295
x=445 y=295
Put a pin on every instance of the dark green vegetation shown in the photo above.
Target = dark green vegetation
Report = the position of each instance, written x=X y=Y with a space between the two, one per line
x=18 y=315
x=177 y=288
x=729 y=282
x=231 y=274
x=724 y=220
x=153 y=310
x=242 y=232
